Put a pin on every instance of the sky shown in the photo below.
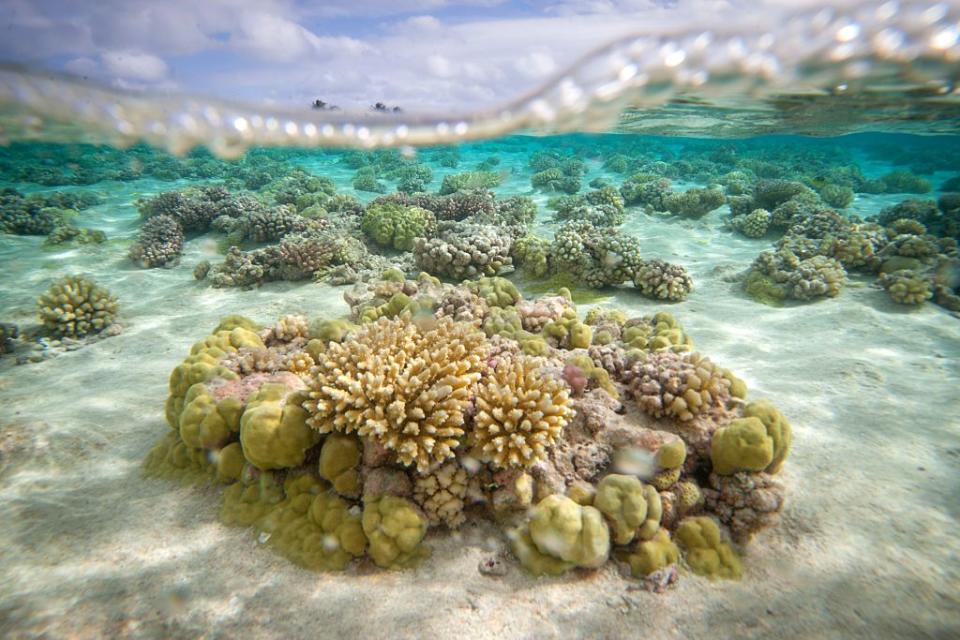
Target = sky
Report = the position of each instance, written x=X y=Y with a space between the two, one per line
x=418 y=54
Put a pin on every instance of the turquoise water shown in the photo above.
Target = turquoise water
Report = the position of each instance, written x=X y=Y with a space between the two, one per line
x=565 y=289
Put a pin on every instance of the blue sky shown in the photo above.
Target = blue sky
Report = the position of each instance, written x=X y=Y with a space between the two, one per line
x=421 y=54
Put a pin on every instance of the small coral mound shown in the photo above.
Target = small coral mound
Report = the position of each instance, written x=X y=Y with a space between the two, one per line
x=520 y=413
x=907 y=287
x=662 y=280
x=159 y=243
x=682 y=386
x=75 y=307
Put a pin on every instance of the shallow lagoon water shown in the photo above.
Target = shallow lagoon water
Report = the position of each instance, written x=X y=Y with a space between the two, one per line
x=866 y=544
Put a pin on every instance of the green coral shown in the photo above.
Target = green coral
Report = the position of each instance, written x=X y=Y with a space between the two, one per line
x=231 y=322
x=229 y=462
x=273 y=429
x=595 y=374
x=394 y=225
x=398 y=304
x=568 y=532
x=569 y=332
x=907 y=287
x=742 y=445
x=469 y=181
x=313 y=528
x=706 y=554
x=339 y=462
x=694 y=203
x=247 y=501
x=632 y=507
x=331 y=330
x=672 y=454
x=765 y=289
x=206 y=423
x=530 y=255
x=652 y=555
x=659 y=333
x=532 y=559
x=778 y=429
x=395 y=529
x=495 y=291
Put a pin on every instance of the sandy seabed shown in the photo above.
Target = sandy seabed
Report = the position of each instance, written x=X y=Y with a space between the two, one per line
x=868 y=546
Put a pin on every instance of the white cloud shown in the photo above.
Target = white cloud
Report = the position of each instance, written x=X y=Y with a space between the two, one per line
x=419 y=23
x=536 y=64
x=82 y=66
x=134 y=65
x=428 y=58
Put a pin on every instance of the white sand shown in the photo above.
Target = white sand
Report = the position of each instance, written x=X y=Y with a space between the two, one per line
x=868 y=546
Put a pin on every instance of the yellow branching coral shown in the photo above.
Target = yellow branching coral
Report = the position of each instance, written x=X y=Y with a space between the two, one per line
x=404 y=383
x=520 y=414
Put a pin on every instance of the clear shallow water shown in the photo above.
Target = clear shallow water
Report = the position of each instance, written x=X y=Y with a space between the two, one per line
x=849 y=371
x=848 y=327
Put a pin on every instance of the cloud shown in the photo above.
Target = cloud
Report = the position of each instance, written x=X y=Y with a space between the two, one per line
x=134 y=65
x=421 y=54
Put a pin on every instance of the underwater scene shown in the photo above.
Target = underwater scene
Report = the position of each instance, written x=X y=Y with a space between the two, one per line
x=677 y=369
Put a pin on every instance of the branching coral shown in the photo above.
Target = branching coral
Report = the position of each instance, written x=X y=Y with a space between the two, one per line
x=405 y=386
x=520 y=413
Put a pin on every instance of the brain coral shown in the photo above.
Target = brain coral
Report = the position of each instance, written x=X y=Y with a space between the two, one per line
x=76 y=306
x=520 y=414
x=403 y=384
